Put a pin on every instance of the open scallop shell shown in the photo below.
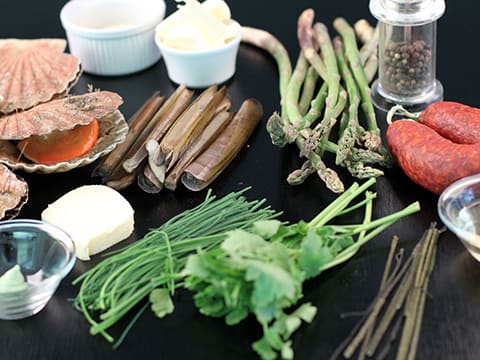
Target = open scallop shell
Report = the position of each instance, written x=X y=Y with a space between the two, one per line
x=113 y=129
x=61 y=114
x=34 y=72
x=13 y=193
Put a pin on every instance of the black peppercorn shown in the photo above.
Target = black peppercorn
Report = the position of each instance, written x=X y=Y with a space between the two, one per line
x=406 y=67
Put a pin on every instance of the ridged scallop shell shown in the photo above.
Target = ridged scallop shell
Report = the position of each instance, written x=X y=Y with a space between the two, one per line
x=34 y=72
x=13 y=193
x=60 y=114
x=112 y=130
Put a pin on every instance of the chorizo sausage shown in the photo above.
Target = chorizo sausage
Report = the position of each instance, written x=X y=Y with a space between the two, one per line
x=428 y=158
x=457 y=122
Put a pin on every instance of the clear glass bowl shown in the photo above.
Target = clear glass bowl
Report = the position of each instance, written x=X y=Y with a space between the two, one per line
x=45 y=255
x=459 y=210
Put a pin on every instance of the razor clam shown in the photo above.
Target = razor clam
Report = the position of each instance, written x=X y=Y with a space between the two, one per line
x=136 y=125
x=203 y=141
x=211 y=162
x=189 y=125
x=163 y=120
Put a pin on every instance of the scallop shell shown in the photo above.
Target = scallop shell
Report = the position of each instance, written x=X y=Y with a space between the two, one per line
x=112 y=130
x=61 y=114
x=13 y=193
x=34 y=72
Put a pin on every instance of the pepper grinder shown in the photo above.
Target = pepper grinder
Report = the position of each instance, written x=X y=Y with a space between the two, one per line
x=407 y=47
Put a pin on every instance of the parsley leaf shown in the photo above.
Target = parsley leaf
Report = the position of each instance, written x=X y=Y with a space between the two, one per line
x=161 y=302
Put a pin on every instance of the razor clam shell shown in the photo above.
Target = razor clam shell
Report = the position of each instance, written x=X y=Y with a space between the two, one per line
x=34 y=72
x=112 y=129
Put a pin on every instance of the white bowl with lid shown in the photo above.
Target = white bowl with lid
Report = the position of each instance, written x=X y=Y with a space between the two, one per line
x=113 y=37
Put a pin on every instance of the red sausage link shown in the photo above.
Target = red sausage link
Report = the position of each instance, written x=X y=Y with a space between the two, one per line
x=429 y=159
x=454 y=121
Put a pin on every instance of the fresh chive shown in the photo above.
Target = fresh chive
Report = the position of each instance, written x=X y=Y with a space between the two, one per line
x=125 y=277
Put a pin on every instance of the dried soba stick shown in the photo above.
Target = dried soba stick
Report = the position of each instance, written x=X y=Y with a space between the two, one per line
x=411 y=285
x=415 y=304
x=383 y=284
x=377 y=307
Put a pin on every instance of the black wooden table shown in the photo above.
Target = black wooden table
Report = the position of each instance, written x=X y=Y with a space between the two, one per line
x=450 y=329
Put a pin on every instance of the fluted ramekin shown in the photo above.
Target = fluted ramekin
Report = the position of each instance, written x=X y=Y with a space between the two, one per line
x=113 y=37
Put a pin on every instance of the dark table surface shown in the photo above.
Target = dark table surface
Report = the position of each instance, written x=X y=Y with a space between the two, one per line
x=450 y=329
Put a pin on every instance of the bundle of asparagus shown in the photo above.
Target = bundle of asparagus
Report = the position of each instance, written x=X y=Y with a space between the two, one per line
x=180 y=140
x=324 y=92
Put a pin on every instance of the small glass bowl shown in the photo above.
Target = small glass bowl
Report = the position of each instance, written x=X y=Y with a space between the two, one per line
x=459 y=209
x=45 y=255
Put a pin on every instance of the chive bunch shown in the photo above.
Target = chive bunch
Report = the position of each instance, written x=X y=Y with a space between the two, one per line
x=112 y=288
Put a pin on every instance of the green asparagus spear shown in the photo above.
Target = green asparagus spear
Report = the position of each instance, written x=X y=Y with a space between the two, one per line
x=308 y=90
x=281 y=132
x=353 y=58
x=272 y=45
x=317 y=105
x=333 y=77
x=304 y=32
x=350 y=134
x=293 y=92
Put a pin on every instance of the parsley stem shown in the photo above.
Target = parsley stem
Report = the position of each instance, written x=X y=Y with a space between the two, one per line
x=340 y=203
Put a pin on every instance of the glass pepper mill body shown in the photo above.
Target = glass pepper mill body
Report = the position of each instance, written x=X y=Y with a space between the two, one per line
x=407 y=49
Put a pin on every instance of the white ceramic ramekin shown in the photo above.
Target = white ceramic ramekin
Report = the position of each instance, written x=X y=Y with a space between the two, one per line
x=201 y=68
x=113 y=37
